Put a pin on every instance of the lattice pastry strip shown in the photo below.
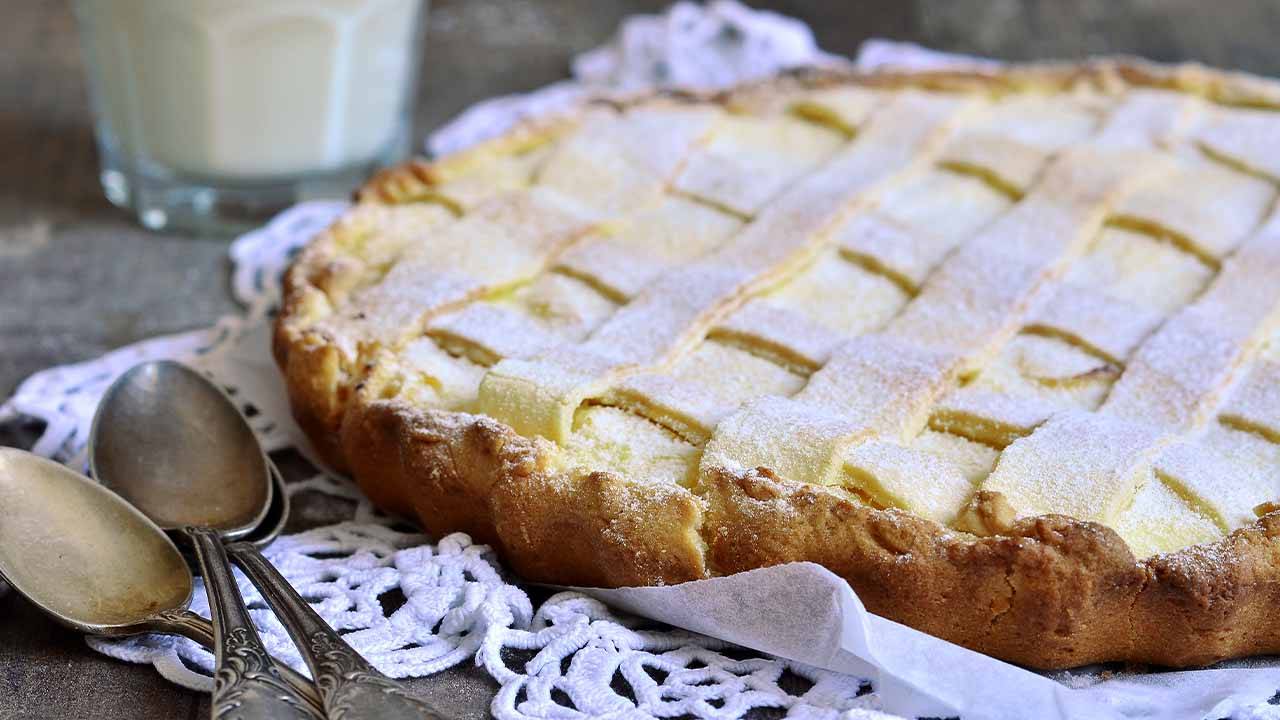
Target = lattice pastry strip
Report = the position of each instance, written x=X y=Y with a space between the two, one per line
x=787 y=336
x=1092 y=465
x=1195 y=468
x=1246 y=137
x=1179 y=373
x=991 y=417
x=1112 y=299
x=750 y=159
x=1160 y=519
x=550 y=310
x=844 y=108
x=1047 y=369
x=886 y=386
x=1148 y=118
x=507 y=240
x=974 y=459
x=1091 y=317
x=511 y=239
x=916 y=225
x=423 y=373
x=1087 y=465
x=1142 y=270
x=847 y=300
x=609 y=437
x=1011 y=143
x=1202 y=205
x=559 y=307
x=618 y=162
x=362 y=245
x=1255 y=403
x=500 y=173
x=890 y=475
x=704 y=387
x=539 y=396
x=636 y=250
x=1187 y=500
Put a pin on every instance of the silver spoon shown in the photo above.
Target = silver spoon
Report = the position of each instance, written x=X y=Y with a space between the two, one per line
x=92 y=561
x=161 y=395
x=181 y=453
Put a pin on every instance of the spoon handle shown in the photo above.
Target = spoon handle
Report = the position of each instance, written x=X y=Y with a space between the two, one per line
x=246 y=685
x=349 y=685
x=200 y=631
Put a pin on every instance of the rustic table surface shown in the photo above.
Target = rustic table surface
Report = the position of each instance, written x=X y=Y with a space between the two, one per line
x=78 y=278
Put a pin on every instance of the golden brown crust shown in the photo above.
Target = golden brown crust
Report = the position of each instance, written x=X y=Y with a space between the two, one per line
x=1047 y=591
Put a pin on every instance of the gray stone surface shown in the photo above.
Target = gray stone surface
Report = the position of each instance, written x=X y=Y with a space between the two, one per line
x=77 y=278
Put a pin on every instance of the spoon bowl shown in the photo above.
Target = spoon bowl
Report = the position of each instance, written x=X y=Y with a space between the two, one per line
x=92 y=561
x=208 y=442
x=175 y=445
x=81 y=553
x=157 y=417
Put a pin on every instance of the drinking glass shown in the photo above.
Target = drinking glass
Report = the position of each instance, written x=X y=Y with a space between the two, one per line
x=211 y=115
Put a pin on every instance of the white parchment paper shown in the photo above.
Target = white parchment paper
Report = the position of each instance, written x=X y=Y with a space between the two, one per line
x=804 y=612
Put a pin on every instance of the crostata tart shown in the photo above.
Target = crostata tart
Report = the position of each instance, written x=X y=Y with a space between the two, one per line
x=1000 y=349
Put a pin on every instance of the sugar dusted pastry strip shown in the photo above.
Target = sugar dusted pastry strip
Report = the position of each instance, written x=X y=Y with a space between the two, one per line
x=1206 y=207
x=615 y=163
x=1160 y=519
x=1255 y=403
x=884 y=386
x=1092 y=465
x=1223 y=486
x=490 y=333
x=844 y=108
x=539 y=396
x=1149 y=118
x=507 y=240
x=784 y=334
x=1086 y=465
x=1001 y=161
x=704 y=387
x=1248 y=137
x=916 y=225
x=1012 y=142
x=891 y=475
x=358 y=249
x=1090 y=317
x=639 y=248
x=980 y=296
x=991 y=418
x=1178 y=376
x=750 y=159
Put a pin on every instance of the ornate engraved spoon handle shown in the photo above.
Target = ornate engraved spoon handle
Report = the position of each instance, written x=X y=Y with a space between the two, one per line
x=246 y=685
x=195 y=628
x=350 y=686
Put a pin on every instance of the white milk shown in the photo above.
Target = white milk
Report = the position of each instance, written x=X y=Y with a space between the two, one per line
x=251 y=89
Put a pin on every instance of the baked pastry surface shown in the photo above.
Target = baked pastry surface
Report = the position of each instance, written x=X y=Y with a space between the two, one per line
x=1002 y=350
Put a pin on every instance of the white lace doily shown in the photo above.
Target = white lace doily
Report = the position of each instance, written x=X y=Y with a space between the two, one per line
x=571 y=657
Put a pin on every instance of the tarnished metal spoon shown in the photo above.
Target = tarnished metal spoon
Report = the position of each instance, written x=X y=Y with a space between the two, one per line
x=166 y=394
x=91 y=560
x=175 y=446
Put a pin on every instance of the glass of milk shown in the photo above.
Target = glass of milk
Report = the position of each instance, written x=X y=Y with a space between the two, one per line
x=211 y=115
